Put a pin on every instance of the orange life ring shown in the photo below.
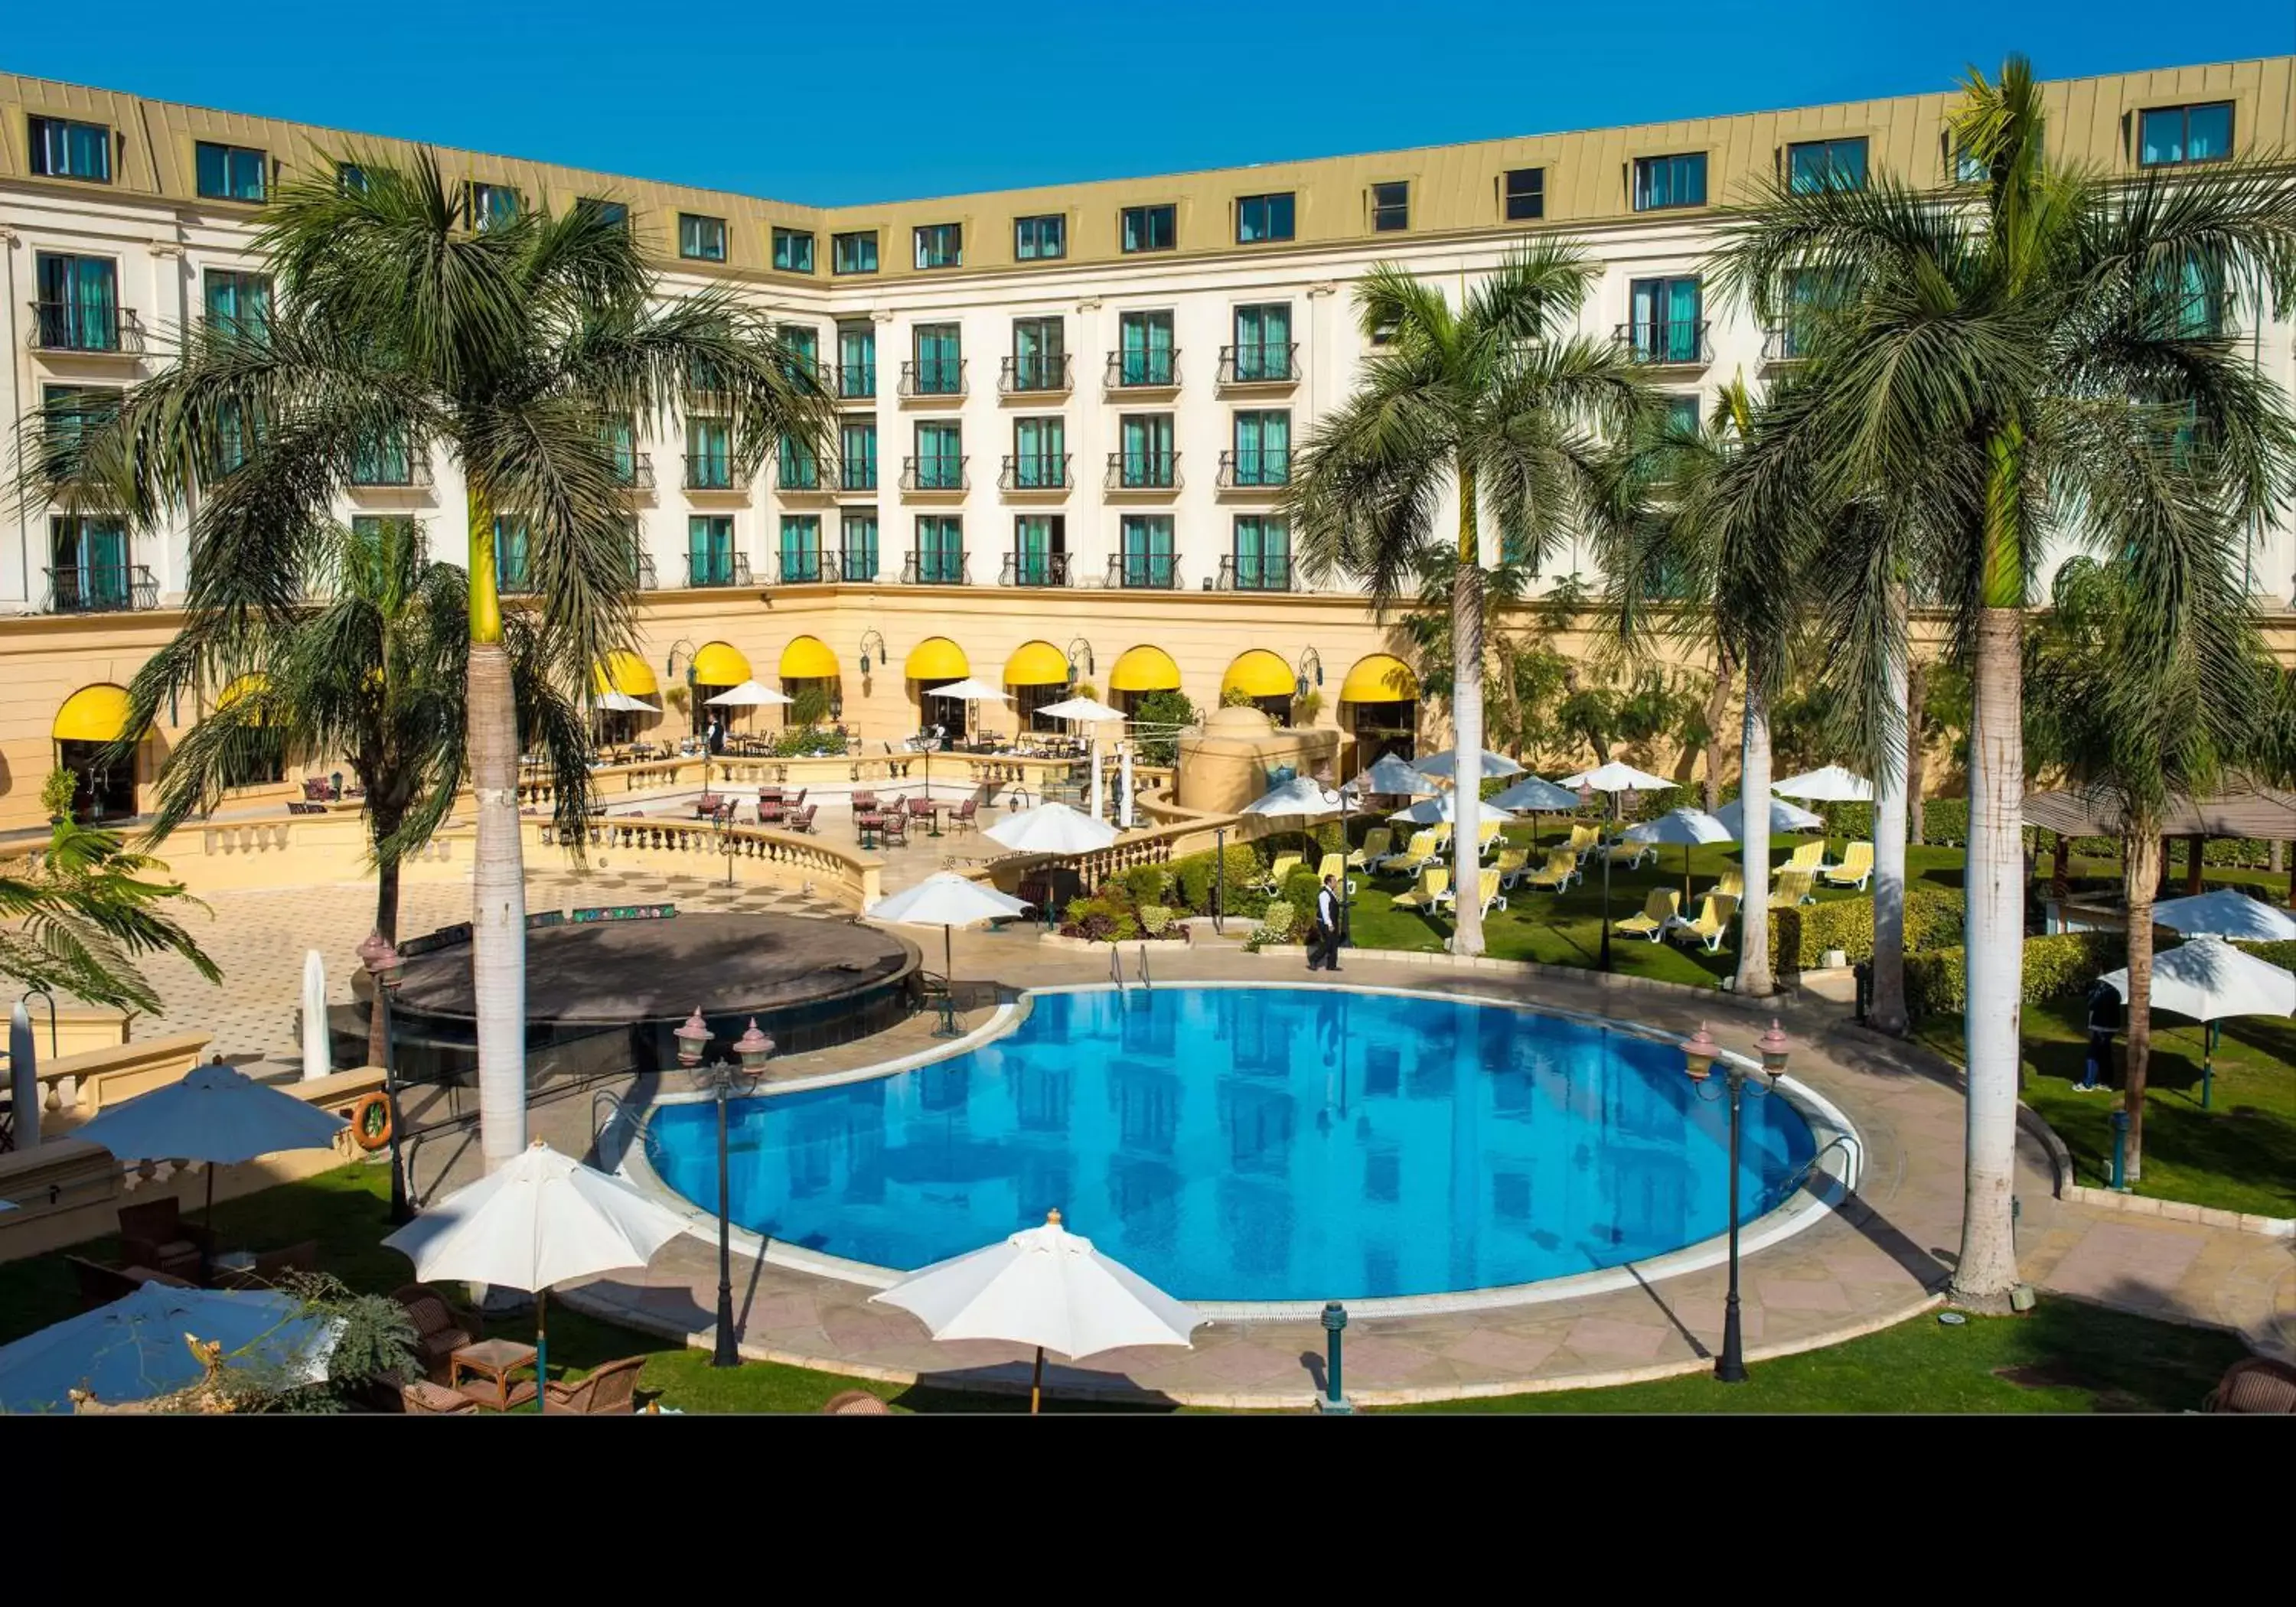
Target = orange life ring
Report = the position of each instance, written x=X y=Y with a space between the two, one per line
x=369 y=1121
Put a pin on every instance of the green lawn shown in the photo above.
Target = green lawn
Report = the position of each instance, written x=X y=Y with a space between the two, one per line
x=2074 y=1359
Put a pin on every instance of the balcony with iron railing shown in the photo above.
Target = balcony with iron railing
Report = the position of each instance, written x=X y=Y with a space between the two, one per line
x=803 y=566
x=1036 y=373
x=106 y=589
x=1261 y=470
x=854 y=568
x=1035 y=473
x=1137 y=372
x=79 y=329
x=714 y=475
x=799 y=477
x=513 y=576
x=934 y=476
x=1787 y=343
x=934 y=569
x=1261 y=363
x=856 y=474
x=642 y=571
x=1145 y=473
x=634 y=471
x=391 y=471
x=704 y=571
x=1665 y=343
x=934 y=380
x=855 y=381
x=1034 y=570
x=1264 y=572
x=1144 y=571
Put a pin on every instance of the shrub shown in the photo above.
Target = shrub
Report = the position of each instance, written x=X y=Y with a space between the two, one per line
x=1194 y=873
x=1275 y=924
x=1164 y=714
x=2282 y=953
x=1300 y=888
x=1934 y=918
x=1936 y=981
x=806 y=741
x=57 y=793
x=1146 y=884
x=1944 y=821
x=1155 y=920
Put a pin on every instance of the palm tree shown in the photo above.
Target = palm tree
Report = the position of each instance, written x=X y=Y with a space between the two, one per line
x=2038 y=353
x=518 y=346
x=376 y=673
x=82 y=910
x=2138 y=737
x=1493 y=402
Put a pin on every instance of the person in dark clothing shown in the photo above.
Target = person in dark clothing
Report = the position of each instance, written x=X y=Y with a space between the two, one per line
x=1323 y=945
x=2103 y=1021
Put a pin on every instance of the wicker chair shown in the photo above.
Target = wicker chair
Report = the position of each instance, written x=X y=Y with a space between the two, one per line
x=801 y=820
x=610 y=1391
x=2257 y=1384
x=856 y=1403
x=100 y=1285
x=894 y=828
x=155 y=1235
x=441 y=1327
x=423 y=1399
x=961 y=818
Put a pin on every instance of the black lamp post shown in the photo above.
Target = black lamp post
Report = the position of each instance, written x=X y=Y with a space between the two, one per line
x=1699 y=1054
x=384 y=966
x=723 y=1079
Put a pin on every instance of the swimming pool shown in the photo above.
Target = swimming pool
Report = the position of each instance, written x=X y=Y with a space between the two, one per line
x=1258 y=1144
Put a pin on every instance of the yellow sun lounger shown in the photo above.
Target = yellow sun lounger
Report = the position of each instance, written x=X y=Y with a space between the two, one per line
x=1487 y=833
x=1511 y=864
x=1855 y=869
x=1663 y=904
x=1792 y=887
x=1283 y=866
x=1559 y=871
x=1375 y=844
x=1583 y=840
x=1434 y=885
x=1417 y=850
x=1733 y=885
x=1810 y=856
x=1487 y=888
x=1714 y=914
x=1334 y=865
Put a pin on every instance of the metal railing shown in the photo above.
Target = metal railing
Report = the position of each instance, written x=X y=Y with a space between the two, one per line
x=514 y=579
x=1035 y=471
x=934 y=569
x=1261 y=363
x=637 y=475
x=852 y=568
x=732 y=569
x=797 y=475
x=1143 y=370
x=713 y=474
x=861 y=476
x=406 y=472
x=855 y=381
x=930 y=474
x=642 y=571
x=70 y=326
x=1034 y=570
x=1240 y=572
x=1037 y=374
x=1144 y=571
x=1254 y=471
x=1665 y=343
x=802 y=568
x=1144 y=471
x=934 y=378
x=1784 y=344
x=107 y=588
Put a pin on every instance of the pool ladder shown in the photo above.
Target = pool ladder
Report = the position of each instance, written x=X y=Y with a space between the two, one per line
x=1116 y=968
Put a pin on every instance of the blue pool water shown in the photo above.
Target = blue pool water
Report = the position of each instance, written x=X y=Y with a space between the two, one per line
x=1258 y=1144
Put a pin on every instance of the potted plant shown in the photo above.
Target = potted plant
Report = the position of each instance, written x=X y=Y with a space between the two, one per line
x=56 y=794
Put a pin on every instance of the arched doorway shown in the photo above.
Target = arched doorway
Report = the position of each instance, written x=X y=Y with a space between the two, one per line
x=717 y=668
x=936 y=661
x=1140 y=671
x=90 y=721
x=1379 y=702
x=1038 y=675
x=1267 y=681
x=260 y=753
x=809 y=674
x=629 y=697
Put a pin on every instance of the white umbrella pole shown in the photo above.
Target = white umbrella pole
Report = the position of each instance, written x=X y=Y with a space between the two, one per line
x=1124 y=789
x=541 y=1349
x=24 y=1077
x=1098 y=812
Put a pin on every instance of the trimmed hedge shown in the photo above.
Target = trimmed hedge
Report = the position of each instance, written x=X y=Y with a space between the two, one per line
x=1193 y=874
x=1800 y=937
x=1936 y=981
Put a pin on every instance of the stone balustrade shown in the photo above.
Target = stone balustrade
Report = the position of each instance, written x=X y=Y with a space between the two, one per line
x=672 y=847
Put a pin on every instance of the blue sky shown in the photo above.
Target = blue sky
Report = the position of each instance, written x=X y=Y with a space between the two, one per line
x=873 y=100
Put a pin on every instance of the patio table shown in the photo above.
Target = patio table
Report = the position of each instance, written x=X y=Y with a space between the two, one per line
x=490 y=1363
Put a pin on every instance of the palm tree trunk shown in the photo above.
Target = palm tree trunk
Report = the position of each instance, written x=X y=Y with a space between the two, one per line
x=499 y=878
x=1994 y=943
x=1717 y=710
x=1755 y=978
x=386 y=921
x=1467 y=723
x=2140 y=870
x=1889 y=805
x=1917 y=680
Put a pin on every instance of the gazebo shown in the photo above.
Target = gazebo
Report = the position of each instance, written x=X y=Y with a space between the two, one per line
x=2243 y=810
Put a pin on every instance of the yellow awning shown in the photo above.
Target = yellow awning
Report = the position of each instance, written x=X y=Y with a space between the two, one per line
x=718 y=665
x=1145 y=669
x=936 y=658
x=1037 y=664
x=626 y=673
x=1260 y=674
x=808 y=659
x=1380 y=678
x=244 y=686
x=92 y=713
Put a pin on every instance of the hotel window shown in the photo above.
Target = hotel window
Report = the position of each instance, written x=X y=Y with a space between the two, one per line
x=700 y=239
x=239 y=302
x=1148 y=462
x=619 y=432
x=350 y=179
x=1262 y=558
x=1040 y=556
x=89 y=558
x=941 y=457
x=1263 y=343
x=794 y=251
x=371 y=528
x=939 y=359
x=614 y=212
x=78 y=306
x=1669 y=180
x=2175 y=137
x=1667 y=326
x=1147 y=551
x=709 y=549
x=709 y=454
x=799 y=468
x=1391 y=207
x=1826 y=165
x=384 y=460
x=1263 y=448
x=67 y=411
x=802 y=342
x=940 y=245
x=1682 y=416
x=857 y=455
x=1524 y=194
x=1149 y=228
x=229 y=172
x=1040 y=360
x=2190 y=299
x=853 y=253
x=800 y=548
x=1967 y=169
x=1040 y=461
x=941 y=549
x=511 y=549
x=1146 y=353
x=1040 y=239
x=856 y=360
x=1259 y=218
x=491 y=206
x=63 y=149
x=857 y=545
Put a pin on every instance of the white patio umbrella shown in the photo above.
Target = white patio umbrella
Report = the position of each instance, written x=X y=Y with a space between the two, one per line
x=134 y=1348
x=215 y=1115
x=541 y=1219
x=1616 y=777
x=749 y=695
x=1530 y=794
x=2225 y=913
x=1080 y=709
x=622 y=702
x=1046 y=1287
x=1783 y=817
x=2209 y=980
x=1428 y=811
x=1394 y=778
x=1829 y=784
x=1687 y=828
x=1301 y=798
x=1446 y=765
x=1053 y=828
x=971 y=691
x=946 y=900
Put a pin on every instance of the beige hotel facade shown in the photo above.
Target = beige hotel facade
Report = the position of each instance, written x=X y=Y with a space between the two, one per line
x=1066 y=412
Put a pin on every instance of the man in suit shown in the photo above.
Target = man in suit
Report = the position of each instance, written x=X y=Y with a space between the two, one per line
x=1323 y=949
